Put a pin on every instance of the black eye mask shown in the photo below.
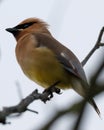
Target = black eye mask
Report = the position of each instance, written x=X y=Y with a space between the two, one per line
x=25 y=25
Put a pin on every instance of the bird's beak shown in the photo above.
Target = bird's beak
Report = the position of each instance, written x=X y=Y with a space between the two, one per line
x=12 y=30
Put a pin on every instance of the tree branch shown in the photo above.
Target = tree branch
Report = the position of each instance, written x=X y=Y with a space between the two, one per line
x=74 y=109
x=23 y=105
x=97 y=45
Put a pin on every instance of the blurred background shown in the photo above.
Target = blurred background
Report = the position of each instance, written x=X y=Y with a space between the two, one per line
x=76 y=24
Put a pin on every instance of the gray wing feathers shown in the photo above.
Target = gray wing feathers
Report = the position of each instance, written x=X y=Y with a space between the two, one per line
x=64 y=55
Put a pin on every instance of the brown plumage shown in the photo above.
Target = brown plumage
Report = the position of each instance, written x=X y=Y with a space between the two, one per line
x=46 y=61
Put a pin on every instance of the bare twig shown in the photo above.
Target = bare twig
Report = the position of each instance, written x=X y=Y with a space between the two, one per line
x=79 y=119
x=74 y=109
x=32 y=111
x=23 y=105
x=97 y=45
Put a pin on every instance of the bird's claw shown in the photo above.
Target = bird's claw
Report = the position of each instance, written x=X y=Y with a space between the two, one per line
x=50 y=92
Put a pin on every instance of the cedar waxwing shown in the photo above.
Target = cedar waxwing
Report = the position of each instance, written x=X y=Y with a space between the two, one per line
x=46 y=61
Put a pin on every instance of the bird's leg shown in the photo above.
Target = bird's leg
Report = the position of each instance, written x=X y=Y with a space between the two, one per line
x=50 y=90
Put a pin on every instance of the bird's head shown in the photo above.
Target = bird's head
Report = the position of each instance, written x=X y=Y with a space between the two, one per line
x=30 y=25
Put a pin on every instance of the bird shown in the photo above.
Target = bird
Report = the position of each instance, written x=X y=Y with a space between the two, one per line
x=46 y=61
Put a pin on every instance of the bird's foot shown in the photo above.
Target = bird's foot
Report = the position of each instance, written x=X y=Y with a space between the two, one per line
x=49 y=91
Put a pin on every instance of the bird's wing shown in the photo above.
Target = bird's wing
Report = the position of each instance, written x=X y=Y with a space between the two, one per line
x=63 y=54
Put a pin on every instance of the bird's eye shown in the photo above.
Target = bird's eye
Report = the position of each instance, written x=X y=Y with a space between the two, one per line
x=23 y=26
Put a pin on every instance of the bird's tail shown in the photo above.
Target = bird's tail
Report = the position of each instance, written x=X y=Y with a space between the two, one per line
x=92 y=102
x=83 y=88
